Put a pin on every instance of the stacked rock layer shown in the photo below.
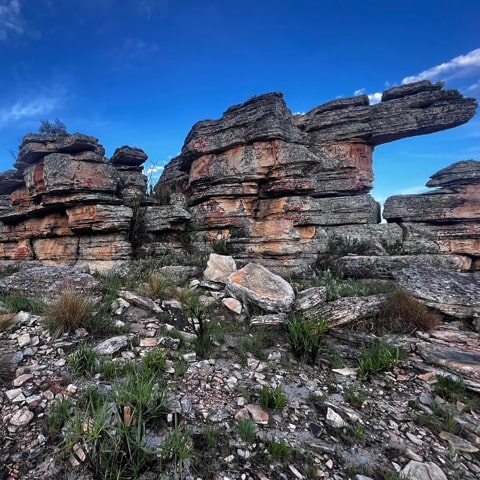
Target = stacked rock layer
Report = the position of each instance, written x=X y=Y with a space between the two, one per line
x=276 y=188
x=67 y=204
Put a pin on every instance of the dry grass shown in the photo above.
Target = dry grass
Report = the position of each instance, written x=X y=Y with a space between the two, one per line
x=6 y=320
x=67 y=313
x=402 y=313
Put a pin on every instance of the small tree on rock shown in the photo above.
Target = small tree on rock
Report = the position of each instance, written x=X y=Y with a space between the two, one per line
x=57 y=128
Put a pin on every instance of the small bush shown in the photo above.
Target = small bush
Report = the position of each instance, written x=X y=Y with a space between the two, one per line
x=16 y=302
x=159 y=287
x=67 y=313
x=273 y=398
x=84 y=361
x=450 y=389
x=220 y=247
x=56 y=128
x=155 y=361
x=58 y=415
x=378 y=357
x=402 y=313
x=355 y=397
x=340 y=247
x=306 y=337
x=279 y=450
x=246 y=429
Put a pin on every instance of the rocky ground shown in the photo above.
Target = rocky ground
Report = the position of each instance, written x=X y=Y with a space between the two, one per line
x=332 y=423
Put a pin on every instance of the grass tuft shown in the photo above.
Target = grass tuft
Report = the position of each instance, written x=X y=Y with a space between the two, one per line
x=402 y=313
x=306 y=337
x=246 y=429
x=273 y=398
x=68 y=312
x=377 y=357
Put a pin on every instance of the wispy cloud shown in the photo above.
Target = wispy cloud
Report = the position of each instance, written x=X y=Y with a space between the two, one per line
x=474 y=87
x=462 y=65
x=29 y=108
x=372 y=97
x=11 y=20
x=152 y=170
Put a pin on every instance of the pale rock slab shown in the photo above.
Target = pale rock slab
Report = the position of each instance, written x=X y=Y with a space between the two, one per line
x=219 y=268
x=258 y=285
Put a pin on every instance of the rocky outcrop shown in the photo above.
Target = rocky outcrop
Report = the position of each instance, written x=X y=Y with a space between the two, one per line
x=67 y=204
x=449 y=216
x=260 y=184
x=275 y=186
x=453 y=293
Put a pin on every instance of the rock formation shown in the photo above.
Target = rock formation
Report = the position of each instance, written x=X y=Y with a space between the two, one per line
x=277 y=187
x=447 y=219
x=266 y=186
x=67 y=204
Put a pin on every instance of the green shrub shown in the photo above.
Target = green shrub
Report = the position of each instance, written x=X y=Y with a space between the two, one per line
x=377 y=357
x=355 y=396
x=220 y=247
x=306 y=337
x=16 y=302
x=246 y=429
x=109 y=429
x=56 y=128
x=58 y=415
x=68 y=312
x=84 y=361
x=279 y=450
x=450 y=389
x=155 y=361
x=273 y=398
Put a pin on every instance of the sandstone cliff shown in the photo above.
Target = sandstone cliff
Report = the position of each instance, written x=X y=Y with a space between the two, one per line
x=277 y=187
x=67 y=204
x=264 y=185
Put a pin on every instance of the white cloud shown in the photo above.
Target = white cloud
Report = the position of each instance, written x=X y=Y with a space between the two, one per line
x=25 y=109
x=11 y=19
x=375 y=97
x=458 y=66
x=372 y=97
x=152 y=170
x=413 y=190
x=474 y=87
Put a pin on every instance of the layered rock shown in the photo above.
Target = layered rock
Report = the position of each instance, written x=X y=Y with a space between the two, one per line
x=275 y=186
x=67 y=204
x=449 y=216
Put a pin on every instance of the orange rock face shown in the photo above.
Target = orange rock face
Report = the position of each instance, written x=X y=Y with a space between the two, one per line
x=69 y=208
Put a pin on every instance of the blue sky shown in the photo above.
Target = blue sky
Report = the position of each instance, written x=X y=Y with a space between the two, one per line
x=142 y=72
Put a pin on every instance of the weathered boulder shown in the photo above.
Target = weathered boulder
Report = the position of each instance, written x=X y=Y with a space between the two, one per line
x=454 y=293
x=255 y=284
x=347 y=309
x=68 y=204
x=129 y=156
x=219 y=268
x=35 y=146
